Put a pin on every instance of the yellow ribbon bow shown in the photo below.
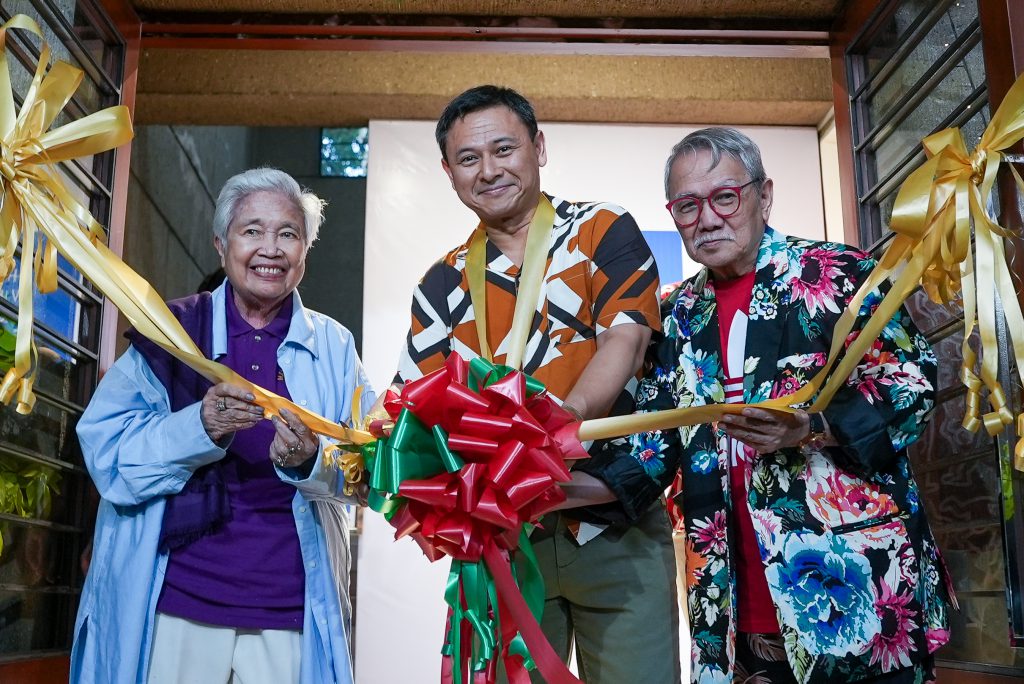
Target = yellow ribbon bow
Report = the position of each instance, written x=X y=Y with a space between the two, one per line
x=35 y=203
x=932 y=219
x=39 y=211
x=348 y=458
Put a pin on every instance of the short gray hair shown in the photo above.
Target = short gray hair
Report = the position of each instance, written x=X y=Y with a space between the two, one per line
x=266 y=179
x=718 y=141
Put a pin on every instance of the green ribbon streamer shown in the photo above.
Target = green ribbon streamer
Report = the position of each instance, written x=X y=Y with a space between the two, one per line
x=408 y=454
x=453 y=641
x=377 y=500
x=531 y=584
x=414 y=452
x=475 y=581
x=471 y=582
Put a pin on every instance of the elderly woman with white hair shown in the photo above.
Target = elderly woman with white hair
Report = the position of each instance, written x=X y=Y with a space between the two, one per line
x=212 y=562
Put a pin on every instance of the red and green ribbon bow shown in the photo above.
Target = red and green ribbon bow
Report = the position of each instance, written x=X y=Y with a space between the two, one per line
x=470 y=462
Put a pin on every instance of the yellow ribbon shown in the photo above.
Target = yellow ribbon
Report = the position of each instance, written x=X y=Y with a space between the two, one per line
x=932 y=220
x=39 y=211
x=934 y=211
x=348 y=458
x=535 y=259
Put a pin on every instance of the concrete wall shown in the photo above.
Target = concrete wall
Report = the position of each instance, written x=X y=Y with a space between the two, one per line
x=334 y=268
x=176 y=173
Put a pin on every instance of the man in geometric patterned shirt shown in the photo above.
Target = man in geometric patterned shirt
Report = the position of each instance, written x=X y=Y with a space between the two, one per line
x=606 y=557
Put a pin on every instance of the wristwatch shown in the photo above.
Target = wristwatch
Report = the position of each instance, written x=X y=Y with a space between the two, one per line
x=815 y=438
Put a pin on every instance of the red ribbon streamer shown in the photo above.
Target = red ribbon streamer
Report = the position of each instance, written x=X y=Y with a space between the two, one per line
x=548 y=663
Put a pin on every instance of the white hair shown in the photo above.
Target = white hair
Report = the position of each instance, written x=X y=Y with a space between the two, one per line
x=266 y=179
x=719 y=140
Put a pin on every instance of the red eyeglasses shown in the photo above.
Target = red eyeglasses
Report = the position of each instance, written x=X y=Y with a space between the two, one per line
x=724 y=201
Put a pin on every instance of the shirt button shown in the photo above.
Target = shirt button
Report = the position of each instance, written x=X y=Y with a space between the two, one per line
x=303 y=402
x=255 y=366
x=302 y=509
x=312 y=564
x=257 y=338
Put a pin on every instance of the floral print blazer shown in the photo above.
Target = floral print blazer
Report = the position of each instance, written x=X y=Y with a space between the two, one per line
x=855 y=575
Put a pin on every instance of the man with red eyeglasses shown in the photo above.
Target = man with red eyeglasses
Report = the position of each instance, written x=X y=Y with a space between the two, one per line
x=809 y=558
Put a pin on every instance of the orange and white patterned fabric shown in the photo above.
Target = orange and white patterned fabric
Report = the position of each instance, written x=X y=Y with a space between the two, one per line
x=600 y=274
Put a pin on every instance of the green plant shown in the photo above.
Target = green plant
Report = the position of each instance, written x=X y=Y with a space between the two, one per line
x=27 y=489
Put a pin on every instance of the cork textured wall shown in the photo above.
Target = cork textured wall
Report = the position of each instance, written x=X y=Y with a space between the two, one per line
x=293 y=88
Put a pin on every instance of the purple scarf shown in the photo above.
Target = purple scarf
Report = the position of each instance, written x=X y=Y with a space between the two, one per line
x=202 y=506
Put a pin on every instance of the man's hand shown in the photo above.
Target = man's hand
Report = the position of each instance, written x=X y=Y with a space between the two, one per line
x=585 y=490
x=767 y=431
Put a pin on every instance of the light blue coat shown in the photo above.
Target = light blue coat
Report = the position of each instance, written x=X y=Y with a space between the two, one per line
x=138 y=452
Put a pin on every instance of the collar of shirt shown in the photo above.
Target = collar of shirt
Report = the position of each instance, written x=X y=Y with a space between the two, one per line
x=497 y=262
x=239 y=327
x=300 y=327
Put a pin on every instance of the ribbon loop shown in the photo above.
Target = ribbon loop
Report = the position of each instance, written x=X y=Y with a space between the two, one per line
x=475 y=464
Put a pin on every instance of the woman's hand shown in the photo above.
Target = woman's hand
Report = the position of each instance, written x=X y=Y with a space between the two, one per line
x=362 y=492
x=294 y=443
x=377 y=419
x=227 y=409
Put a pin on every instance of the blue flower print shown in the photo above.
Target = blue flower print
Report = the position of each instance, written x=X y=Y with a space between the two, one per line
x=663 y=375
x=871 y=301
x=826 y=595
x=701 y=372
x=703 y=462
x=647 y=450
x=763 y=303
x=913 y=498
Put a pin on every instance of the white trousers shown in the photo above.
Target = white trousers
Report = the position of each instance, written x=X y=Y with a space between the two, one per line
x=186 y=652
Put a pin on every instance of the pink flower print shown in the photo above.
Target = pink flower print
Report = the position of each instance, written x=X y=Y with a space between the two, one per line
x=710 y=534
x=892 y=645
x=868 y=386
x=840 y=498
x=879 y=368
x=787 y=385
x=817 y=284
x=936 y=638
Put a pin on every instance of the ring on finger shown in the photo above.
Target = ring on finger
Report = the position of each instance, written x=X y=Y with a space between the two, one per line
x=293 y=449
x=222 y=404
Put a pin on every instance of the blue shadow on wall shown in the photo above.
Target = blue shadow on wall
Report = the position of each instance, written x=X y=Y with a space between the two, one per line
x=667 y=248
